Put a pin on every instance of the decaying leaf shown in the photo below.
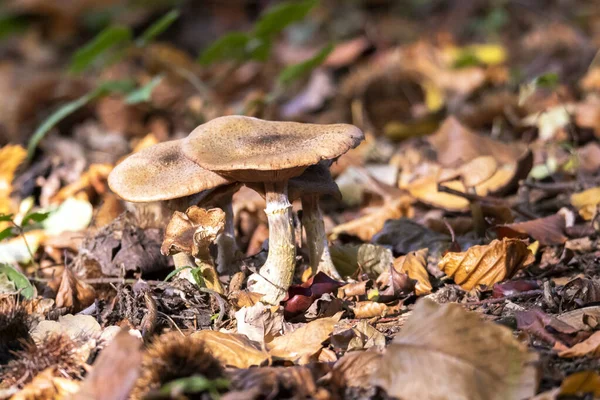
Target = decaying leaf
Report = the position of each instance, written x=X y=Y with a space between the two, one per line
x=393 y=284
x=11 y=156
x=74 y=326
x=580 y=383
x=487 y=264
x=405 y=236
x=369 y=309
x=465 y=357
x=115 y=371
x=232 y=349
x=414 y=264
x=586 y=202
x=589 y=347
x=355 y=369
x=581 y=291
x=259 y=322
x=300 y=345
x=546 y=327
x=270 y=382
x=73 y=293
x=46 y=385
x=548 y=230
x=300 y=297
x=369 y=258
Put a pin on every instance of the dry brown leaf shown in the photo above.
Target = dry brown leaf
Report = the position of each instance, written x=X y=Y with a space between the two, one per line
x=243 y=298
x=305 y=341
x=465 y=356
x=548 y=230
x=46 y=385
x=115 y=371
x=355 y=369
x=486 y=264
x=73 y=293
x=455 y=145
x=581 y=383
x=232 y=349
x=589 y=347
x=589 y=157
x=368 y=225
x=473 y=172
x=94 y=178
x=426 y=191
x=586 y=202
x=369 y=309
x=415 y=266
x=273 y=383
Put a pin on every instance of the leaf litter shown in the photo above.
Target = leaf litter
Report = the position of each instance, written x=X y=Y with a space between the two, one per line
x=462 y=253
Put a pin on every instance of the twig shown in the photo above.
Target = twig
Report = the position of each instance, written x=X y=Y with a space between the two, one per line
x=526 y=294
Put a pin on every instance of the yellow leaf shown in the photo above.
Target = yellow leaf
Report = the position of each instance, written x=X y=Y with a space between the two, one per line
x=414 y=265
x=486 y=265
x=586 y=202
x=232 y=349
x=11 y=156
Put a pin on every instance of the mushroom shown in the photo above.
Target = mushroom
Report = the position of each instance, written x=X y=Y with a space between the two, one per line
x=316 y=181
x=191 y=233
x=161 y=173
x=247 y=149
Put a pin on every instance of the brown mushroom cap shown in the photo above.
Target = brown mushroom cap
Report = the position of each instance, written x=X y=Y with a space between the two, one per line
x=161 y=172
x=253 y=150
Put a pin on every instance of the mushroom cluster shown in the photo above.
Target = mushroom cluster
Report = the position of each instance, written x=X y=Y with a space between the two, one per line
x=283 y=161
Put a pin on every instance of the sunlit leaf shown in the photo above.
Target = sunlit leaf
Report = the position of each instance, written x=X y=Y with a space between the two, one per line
x=35 y=217
x=6 y=217
x=19 y=280
x=157 y=28
x=293 y=72
x=108 y=38
x=6 y=233
x=144 y=93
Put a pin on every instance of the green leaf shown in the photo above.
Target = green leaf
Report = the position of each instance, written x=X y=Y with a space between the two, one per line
x=296 y=71
x=197 y=275
x=259 y=49
x=35 y=217
x=105 y=40
x=143 y=94
x=21 y=282
x=157 y=28
x=228 y=47
x=175 y=272
x=548 y=80
x=7 y=233
x=12 y=25
x=279 y=17
x=72 y=106
x=6 y=217
x=194 y=384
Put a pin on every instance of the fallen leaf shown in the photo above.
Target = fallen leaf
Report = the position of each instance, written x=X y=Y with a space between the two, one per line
x=232 y=349
x=589 y=347
x=11 y=156
x=272 y=383
x=369 y=258
x=355 y=289
x=580 y=383
x=405 y=235
x=72 y=215
x=471 y=173
x=545 y=327
x=486 y=264
x=414 y=264
x=586 y=202
x=581 y=318
x=581 y=291
x=115 y=371
x=365 y=337
x=464 y=355
x=20 y=249
x=74 y=326
x=393 y=284
x=369 y=309
x=304 y=342
x=73 y=293
x=300 y=297
x=259 y=323
x=46 y=385
x=355 y=369
x=548 y=230
x=512 y=287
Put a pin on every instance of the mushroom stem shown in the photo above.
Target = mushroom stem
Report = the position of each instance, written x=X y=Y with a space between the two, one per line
x=226 y=244
x=275 y=276
x=183 y=260
x=316 y=238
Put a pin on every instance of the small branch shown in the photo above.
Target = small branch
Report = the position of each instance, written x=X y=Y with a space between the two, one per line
x=526 y=294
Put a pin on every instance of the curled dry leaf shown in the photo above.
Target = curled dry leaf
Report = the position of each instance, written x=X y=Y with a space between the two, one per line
x=259 y=322
x=464 y=355
x=393 y=284
x=548 y=230
x=415 y=266
x=512 y=287
x=115 y=371
x=472 y=173
x=355 y=369
x=232 y=349
x=581 y=291
x=73 y=293
x=46 y=385
x=354 y=289
x=486 y=264
x=589 y=347
x=545 y=327
x=369 y=309
x=11 y=156
x=303 y=343
x=300 y=297
x=586 y=202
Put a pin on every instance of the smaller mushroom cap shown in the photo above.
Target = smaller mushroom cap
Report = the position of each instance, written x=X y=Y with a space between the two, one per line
x=253 y=150
x=161 y=172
